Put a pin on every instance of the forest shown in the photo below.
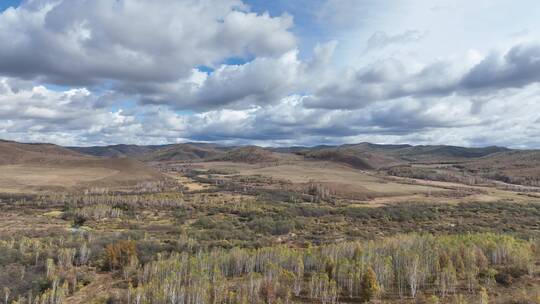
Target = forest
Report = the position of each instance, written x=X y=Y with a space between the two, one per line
x=154 y=247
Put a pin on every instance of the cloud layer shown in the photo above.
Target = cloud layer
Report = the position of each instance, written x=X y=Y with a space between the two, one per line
x=85 y=42
x=83 y=72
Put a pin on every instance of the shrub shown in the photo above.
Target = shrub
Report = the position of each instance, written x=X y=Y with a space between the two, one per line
x=120 y=254
x=369 y=286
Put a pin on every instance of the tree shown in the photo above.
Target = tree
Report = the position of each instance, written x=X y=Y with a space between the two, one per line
x=6 y=295
x=484 y=298
x=120 y=254
x=413 y=274
x=369 y=286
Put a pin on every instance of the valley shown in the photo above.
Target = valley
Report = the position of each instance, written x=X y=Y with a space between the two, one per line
x=70 y=220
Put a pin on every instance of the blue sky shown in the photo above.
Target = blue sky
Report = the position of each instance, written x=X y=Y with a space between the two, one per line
x=312 y=72
x=308 y=26
x=4 y=4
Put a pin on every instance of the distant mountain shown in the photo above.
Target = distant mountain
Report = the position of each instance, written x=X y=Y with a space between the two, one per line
x=371 y=156
x=356 y=158
x=249 y=154
x=341 y=156
x=133 y=151
x=170 y=152
x=419 y=153
x=362 y=155
x=185 y=152
x=293 y=149
x=427 y=151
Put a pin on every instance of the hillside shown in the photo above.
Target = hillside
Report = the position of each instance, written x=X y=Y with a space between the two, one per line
x=17 y=153
x=354 y=156
x=444 y=153
x=515 y=167
x=249 y=154
x=374 y=156
x=184 y=152
x=133 y=151
x=360 y=156
x=156 y=153
x=43 y=167
x=342 y=156
x=435 y=153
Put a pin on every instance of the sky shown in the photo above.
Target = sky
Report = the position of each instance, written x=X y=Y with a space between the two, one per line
x=271 y=73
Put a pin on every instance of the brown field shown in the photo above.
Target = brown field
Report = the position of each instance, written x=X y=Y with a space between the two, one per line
x=30 y=168
x=379 y=188
x=323 y=172
x=28 y=178
x=32 y=178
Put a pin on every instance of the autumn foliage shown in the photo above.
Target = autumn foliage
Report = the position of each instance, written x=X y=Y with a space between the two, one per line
x=369 y=285
x=120 y=254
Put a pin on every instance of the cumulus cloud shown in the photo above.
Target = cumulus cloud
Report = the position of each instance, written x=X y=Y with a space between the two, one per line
x=519 y=67
x=38 y=112
x=260 y=81
x=392 y=78
x=84 y=42
x=134 y=71
x=68 y=117
x=385 y=80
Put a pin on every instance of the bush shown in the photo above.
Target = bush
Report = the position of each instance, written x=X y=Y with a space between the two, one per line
x=119 y=255
x=78 y=221
x=504 y=279
x=369 y=286
x=267 y=225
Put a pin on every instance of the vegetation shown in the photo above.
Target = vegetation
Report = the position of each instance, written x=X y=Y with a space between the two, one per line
x=398 y=267
x=211 y=248
x=215 y=234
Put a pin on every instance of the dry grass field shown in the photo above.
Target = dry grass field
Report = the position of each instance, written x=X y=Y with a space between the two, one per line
x=30 y=168
x=323 y=172
x=373 y=187
x=28 y=178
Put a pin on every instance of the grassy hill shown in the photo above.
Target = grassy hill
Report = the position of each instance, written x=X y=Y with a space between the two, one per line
x=249 y=154
x=134 y=151
x=44 y=167
x=184 y=152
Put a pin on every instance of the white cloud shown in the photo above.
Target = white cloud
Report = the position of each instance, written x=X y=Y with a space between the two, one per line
x=39 y=114
x=146 y=72
x=394 y=78
x=260 y=81
x=130 y=41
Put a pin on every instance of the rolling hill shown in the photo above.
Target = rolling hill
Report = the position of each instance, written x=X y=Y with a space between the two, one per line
x=249 y=154
x=17 y=153
x=374 y=156
x=43 y=167
x=123 y=164
x=185 y=152
x=514 y=167
x=133 y=151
